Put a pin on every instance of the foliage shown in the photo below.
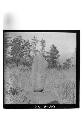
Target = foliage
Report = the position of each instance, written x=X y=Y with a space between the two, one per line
x=6 y=40
x=43 y=44
x=68 y=92
x=59 y=66
x=34 y=42
x=67 y=63
x=52 y=57
x=20 y=49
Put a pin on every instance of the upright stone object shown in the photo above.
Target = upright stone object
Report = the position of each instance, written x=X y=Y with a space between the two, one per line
x=38 y=73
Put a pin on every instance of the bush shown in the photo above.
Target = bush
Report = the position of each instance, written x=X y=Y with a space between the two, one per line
x=67 y=64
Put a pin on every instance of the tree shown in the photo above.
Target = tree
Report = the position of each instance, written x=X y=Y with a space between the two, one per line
x=20 y=50
x=34 y=42
x=43 y=44
x=6 y=40
x=16 y=49
x=67 y=64
x=53 y=56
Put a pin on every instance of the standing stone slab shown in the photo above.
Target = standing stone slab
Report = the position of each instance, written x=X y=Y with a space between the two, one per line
x=38 y=72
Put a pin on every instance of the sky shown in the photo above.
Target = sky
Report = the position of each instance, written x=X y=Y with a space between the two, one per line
x=65 y=42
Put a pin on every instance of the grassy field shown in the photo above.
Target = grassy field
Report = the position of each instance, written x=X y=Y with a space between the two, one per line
x=60 y=85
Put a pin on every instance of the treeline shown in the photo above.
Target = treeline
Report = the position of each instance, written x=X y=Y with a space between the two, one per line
x=21 y=52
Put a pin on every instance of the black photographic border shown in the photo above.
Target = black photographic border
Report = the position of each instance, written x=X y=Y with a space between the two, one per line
x=50 y=106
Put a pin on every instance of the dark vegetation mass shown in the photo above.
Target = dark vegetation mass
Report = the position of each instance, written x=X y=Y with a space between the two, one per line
x=21 y=52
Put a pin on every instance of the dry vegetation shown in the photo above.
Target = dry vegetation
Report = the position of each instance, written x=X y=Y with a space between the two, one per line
x=21 y=62
x=59 y=86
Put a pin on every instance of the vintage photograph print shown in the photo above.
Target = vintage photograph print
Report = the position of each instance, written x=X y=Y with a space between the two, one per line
x=41 y=69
